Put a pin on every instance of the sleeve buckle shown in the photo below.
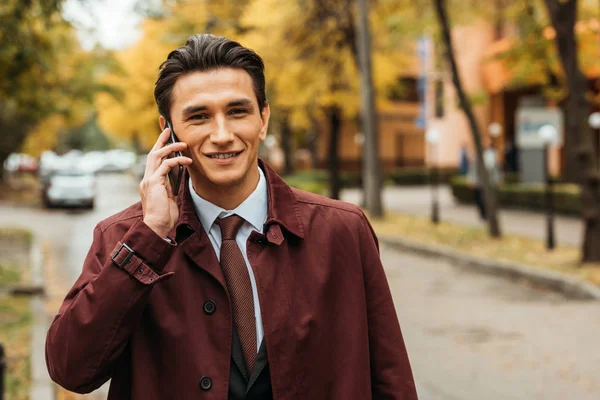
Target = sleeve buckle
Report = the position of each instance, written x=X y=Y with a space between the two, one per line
x=121 y=263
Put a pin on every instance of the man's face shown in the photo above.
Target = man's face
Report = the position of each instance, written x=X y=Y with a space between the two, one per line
x=217 y=114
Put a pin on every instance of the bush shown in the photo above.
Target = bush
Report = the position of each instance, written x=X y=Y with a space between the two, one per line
x=399 y=176
x=419 y=176
x=310 y=185
x=567 y=197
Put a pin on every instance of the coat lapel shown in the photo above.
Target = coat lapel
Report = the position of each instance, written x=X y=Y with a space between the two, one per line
x=192 y=238
x=200 y=251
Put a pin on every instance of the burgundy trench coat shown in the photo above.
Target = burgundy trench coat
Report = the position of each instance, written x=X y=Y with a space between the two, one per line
x=330 y=326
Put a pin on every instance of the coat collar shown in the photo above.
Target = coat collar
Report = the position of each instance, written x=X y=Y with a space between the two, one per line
x=283 y=211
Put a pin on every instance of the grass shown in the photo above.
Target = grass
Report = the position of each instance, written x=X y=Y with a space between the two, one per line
x=15 y=313
x=21 y=190
x=15 y=321
x=476 y=242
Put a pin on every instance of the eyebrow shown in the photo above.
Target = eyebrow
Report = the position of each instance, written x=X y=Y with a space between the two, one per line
x=235 y=103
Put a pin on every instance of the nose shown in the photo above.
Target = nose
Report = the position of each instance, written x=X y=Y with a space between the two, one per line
x=221 y=135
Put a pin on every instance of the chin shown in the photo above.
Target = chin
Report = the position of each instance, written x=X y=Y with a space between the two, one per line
x=226 y=178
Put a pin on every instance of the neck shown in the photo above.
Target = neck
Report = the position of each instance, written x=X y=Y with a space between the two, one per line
x=226 y=197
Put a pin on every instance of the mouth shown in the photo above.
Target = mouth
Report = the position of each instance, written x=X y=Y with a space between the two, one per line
x=224 y=156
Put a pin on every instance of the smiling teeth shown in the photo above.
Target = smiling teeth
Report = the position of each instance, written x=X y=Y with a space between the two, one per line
x=229 y=155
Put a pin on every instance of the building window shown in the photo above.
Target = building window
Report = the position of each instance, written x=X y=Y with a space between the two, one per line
x=404 y=89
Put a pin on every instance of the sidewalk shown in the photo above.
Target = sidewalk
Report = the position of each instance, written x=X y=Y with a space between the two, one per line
x=416 y=200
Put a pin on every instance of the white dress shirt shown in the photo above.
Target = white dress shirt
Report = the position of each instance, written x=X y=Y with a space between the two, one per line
x=254 y=212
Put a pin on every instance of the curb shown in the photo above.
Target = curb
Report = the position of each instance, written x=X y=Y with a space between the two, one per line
x=571 y=287
x=42 y=387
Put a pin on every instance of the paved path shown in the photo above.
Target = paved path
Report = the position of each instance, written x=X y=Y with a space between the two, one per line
x=66 y=236
x=416 y=200
x=478 y=337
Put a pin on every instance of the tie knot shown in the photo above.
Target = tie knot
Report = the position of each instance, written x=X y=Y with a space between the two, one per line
x=230 y=226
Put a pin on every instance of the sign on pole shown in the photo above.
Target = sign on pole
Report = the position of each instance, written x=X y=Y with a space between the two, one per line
x=424 y=49
x=530 y=120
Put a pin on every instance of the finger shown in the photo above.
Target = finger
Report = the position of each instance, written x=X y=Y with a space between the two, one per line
x=151 y=161
x=156 y=157
x=169 y=163
x=163 y=138
x=168 y=149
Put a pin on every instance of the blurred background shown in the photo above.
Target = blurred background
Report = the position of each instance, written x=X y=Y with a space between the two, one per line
x=469 y=132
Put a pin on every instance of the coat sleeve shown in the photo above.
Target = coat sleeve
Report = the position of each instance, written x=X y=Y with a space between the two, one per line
x=391 y=374
x=100 y=311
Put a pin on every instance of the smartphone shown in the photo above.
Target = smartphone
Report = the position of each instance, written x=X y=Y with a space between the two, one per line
x=176 y=173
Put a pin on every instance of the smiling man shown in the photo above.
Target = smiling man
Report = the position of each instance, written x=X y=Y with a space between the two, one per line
x=238 y=288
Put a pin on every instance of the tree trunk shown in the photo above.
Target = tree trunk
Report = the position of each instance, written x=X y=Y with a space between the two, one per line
x=500 y=20
x=334 y=116
x=313 y=137
x=371 y=168
x=286 y=145
x=465 y=104
x=3 y=156
x=11 y=139
x=563 y=15
x=570 y=171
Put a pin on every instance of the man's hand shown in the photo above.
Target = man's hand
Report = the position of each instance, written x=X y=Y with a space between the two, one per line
x=158 y=203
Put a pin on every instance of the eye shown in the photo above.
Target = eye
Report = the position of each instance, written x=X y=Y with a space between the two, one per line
x=199 y=117
x=238 y=111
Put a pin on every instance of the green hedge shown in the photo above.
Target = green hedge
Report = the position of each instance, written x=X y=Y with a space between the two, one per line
x=419 y=176
x=400 y=176
x=567 y=197
x=308 y=185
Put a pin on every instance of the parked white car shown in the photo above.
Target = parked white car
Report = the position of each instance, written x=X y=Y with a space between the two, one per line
x=70 y=188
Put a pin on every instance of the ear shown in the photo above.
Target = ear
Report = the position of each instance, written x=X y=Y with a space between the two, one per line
x=162 y=121
x=264 y=116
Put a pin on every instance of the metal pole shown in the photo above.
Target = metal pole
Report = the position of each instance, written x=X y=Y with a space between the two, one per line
x=2 y=370
x=435 y=206
x=598 y=147
x=550 y=242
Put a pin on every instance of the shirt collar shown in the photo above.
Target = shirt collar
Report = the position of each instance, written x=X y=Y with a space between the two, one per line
x=253 y=209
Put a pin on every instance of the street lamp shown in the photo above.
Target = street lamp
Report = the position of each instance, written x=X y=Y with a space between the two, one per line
x=432 y=136
x=270 y=142
x=549 y=136
x=594 y=121
x=495 y=130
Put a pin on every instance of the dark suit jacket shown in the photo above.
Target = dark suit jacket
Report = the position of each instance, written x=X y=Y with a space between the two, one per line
x=249 y=387
x=330 y=327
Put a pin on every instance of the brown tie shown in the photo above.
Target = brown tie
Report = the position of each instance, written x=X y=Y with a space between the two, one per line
x=239 y=286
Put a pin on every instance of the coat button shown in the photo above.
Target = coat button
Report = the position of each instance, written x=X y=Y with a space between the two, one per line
x=205 y=383
x=210 y=307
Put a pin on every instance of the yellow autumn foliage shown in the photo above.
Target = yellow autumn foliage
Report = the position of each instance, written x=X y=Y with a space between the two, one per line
x=302 y=70
x=325 y=75
x=133 y=112
x=61 y=86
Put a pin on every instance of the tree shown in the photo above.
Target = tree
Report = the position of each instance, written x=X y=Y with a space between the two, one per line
x=129 y=112
x=563 y=15
x=531 y=59
x=312 y=47
x=286 y=144
x=371 y=173
x=465 y=105
x=46 y=80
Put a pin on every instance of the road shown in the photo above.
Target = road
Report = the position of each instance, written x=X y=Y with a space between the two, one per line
x=469 y=336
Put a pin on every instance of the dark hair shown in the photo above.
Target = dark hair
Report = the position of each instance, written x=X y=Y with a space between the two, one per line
x=206 y=52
